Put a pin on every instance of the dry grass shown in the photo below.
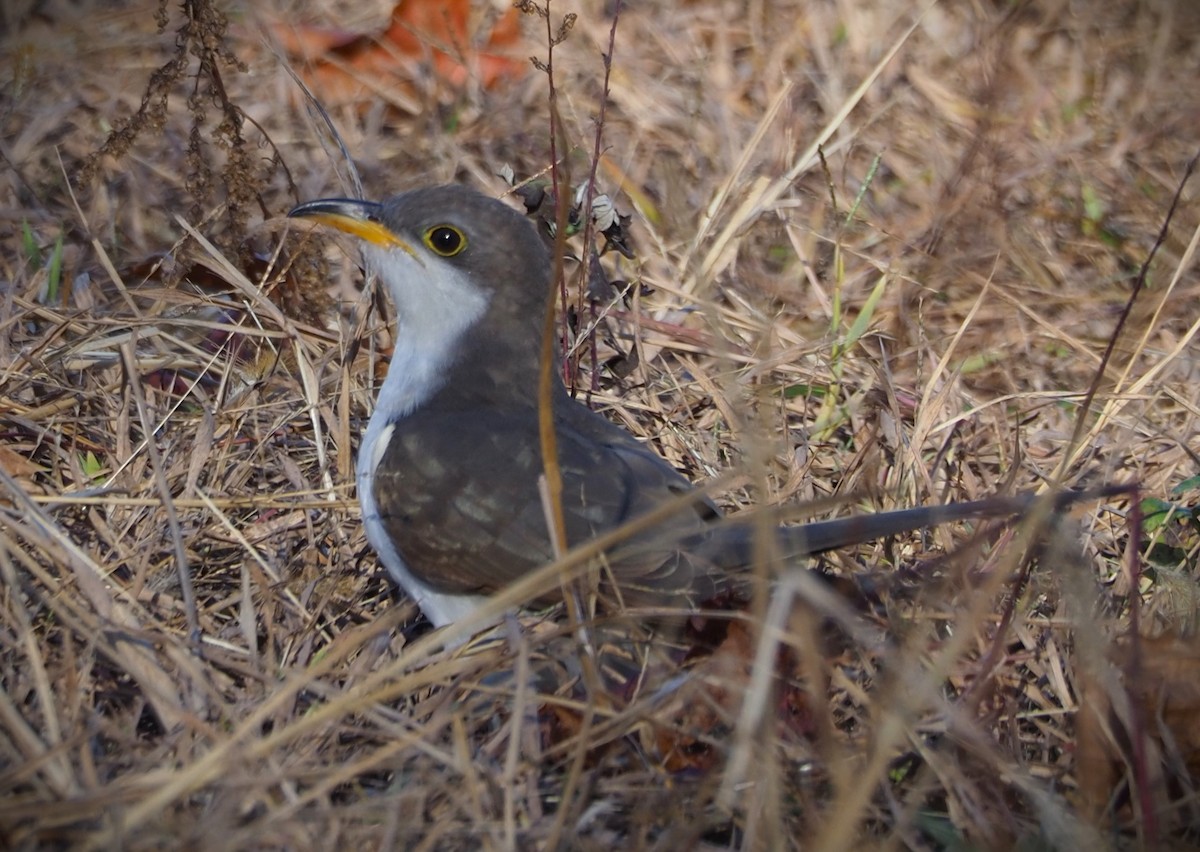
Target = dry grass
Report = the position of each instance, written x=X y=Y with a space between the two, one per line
x=198 y=650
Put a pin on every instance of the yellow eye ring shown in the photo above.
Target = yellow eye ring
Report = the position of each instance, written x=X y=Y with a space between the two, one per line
x=445 y=240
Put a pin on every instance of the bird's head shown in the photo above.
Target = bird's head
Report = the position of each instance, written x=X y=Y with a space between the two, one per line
x=449 y=256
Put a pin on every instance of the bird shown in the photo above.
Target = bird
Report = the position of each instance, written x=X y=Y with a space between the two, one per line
x=448 y=468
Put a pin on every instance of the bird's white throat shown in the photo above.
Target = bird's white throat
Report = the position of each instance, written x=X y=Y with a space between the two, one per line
x=436 y=304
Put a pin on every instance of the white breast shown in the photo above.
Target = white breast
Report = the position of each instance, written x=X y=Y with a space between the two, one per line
x=435 y=305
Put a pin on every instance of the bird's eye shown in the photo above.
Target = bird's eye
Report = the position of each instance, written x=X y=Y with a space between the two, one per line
x=446 y=240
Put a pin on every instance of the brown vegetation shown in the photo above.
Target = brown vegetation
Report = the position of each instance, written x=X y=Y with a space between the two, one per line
x=880 y=258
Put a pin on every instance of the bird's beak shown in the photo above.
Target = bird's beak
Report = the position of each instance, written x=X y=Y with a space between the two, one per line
x=354 y=216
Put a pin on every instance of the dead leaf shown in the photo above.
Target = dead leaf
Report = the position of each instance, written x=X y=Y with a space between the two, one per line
x=457 y=41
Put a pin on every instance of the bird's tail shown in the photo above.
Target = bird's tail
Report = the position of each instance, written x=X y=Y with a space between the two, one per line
x=793 y=542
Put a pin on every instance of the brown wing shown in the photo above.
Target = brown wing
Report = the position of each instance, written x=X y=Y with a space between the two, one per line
x=457 y=491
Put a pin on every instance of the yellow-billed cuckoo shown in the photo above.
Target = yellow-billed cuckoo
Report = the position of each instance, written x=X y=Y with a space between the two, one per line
x=448 y=469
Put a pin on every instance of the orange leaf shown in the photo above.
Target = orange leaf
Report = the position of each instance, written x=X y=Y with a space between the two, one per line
x=344 y=66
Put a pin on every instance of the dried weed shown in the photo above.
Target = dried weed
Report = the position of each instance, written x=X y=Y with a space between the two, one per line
x=880 y=256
